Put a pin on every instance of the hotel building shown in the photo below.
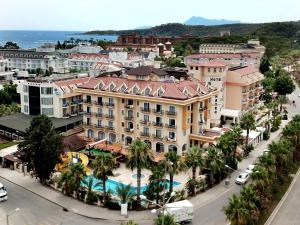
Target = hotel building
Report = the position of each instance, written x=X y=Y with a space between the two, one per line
x=168 y=114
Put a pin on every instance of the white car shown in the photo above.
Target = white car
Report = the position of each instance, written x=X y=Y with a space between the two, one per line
x=3 y=193
x=265 y=152
x=242 y=178
x=250 y=169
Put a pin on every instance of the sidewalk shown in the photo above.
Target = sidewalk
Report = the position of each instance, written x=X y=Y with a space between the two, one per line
x=72 y=205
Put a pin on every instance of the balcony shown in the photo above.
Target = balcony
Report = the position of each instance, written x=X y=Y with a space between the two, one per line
x=100 y=115
x=98 y=103
x=66 y=115
x=157 y=137
x=65 y=105
x=74 y=113
x=87 y=113
x=145 y=122
x=129 y=130
x=144 y=134
x=159 y=112
x=109 y=104
x=157 y=124
x=87 y=102
x=109 y=116
x=129 y=106
x=201 y=109
x=171 y=113
x=99 y=127
x=80 y=112
x=110 y=128
x=90 y=125
x=171 y=140
x=80 y=101
x=170 y=126
x=130 y=118
x=145 y=110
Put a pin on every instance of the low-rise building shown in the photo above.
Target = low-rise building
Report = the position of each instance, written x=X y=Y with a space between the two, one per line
x=169 y=115
x=84 y=62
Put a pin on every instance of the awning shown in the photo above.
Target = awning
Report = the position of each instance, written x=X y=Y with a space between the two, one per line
x=230 y=113
x=8 y=151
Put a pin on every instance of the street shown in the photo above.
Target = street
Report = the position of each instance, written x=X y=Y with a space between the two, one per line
x=35 y=210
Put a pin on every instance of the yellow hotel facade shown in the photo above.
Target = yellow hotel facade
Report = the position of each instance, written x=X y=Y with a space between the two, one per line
x=168 y=114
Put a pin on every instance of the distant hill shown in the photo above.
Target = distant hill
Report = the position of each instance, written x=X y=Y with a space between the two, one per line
x=197 y=20
x=286 y=29
x=143 y=27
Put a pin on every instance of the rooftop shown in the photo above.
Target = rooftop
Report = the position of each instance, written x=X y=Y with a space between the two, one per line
x=146 y=71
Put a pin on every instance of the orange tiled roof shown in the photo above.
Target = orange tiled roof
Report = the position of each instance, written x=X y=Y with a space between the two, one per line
x=181 y=90
x=213 y=63
x=90 y=56
x=224 y=55
x=76 y=81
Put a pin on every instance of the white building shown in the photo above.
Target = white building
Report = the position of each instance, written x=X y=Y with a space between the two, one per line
x=84 y=62
x=51 y=97
x=3 y=63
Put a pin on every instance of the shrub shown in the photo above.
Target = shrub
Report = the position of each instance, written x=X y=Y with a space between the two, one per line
x=266 y=135
x=247 y=149
x=112 y=205
x=284 y=117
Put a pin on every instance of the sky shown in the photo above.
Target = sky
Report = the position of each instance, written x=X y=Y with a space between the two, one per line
x=84 y=15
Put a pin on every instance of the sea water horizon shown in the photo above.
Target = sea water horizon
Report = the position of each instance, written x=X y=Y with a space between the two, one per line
x=28 y=39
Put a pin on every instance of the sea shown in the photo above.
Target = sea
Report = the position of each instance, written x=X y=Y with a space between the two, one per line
x=32 y=39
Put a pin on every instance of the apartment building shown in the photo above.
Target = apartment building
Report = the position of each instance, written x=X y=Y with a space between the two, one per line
x=168 y=114
x=30 y=59
x=240 y=88
x=52 y=97
x=233 y=59
x=84 y=62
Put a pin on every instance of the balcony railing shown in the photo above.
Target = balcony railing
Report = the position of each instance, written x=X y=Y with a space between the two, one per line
x=99 y=115
x=109 y=104
x=66 y=115
x=128 y=117
x=145 y=122
x=157 y=137
x=98 y=126
x=201 y=109
x=74 y=113
x=87 y=113
x=98 y=103
x=110 y=128
x=145 y=110
x=87 y=102
x=157 y=124
x=144 y=134
x=160 y=112
x=171 y=113
x=65 y=105
x=129 y=130
x=109 y=116
x=168 y=139
x=129 y=106
x=88 y=124
x=170 y=126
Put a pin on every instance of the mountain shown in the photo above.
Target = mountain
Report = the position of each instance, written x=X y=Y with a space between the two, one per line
x=143 y=27
x=197 y=20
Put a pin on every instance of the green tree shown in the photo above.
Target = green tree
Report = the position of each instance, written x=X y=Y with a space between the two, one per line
x=156 y=182
x=236 y=211
x=77 y=171
x=264 y=65
x=139 y=156
x=91 y=196
x=103 y=167
x=248 y=123
x=284 y=85
x=174 y=166
x=11 y=45
x=41 y=147
x=67 y=182
x=282 y=153
x=214 y=162
x=125 y=193
x=252 y=201
x=165 y=220
x=195 y=159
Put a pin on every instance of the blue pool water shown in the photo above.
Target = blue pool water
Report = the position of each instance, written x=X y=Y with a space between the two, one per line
x=112 y=185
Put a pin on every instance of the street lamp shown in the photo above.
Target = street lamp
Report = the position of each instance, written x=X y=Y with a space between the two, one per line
x=162 y=207
x=10 y=213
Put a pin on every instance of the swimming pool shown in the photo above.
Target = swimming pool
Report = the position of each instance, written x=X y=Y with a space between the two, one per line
x=112 y=185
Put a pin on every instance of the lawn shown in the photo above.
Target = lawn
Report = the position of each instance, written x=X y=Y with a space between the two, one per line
x=7 y=144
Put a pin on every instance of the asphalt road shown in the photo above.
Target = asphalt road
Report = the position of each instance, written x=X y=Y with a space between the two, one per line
x=35 y=210
x=212 y=213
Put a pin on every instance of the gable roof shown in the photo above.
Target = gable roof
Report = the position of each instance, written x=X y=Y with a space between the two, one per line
x=146 y=71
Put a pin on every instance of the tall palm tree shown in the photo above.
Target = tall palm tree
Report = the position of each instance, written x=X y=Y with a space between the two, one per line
x=67 y=183
x=248 y=123
x=77 y=171
x=236 y=211
x=194 y=159
x=125 y=193
x=139 y=156
x=262 y=179
x=174 y=167
x=91 y=196
x=282 y=151
x=268 y=161
x=103 y=167
x=252 y=201
x=156 y=181
x=214 y=161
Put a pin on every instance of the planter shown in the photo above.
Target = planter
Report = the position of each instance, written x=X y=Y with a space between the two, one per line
x=124 y=208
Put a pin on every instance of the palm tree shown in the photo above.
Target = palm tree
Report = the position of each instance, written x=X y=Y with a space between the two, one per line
x=156 y=182
x=67 y=183
x=77 y=171
x=214 y=161
x=281 y=101
x=194 y=159
x=103 y=167
x=236 y=211
x=268 y=161
x=248 y=123
x=174 y=167
x=91 y=196
x=252 y=201
x=262 y=179
x=125 y=193
x=282 y=151
x=139 y=156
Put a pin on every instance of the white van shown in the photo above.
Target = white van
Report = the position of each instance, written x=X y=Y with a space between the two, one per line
x=182 y=211
x=3 y=193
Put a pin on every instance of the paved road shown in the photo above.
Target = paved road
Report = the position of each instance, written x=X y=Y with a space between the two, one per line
x=35 y=210
x=212 y=213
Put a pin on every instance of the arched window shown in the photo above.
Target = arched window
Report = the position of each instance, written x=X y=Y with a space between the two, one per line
x=101 y=135
x=159 y=147
x=90 y=133
x=123 y=88
x=101 y=86
x=160 y=93
x=135 y=90
x=128 y=140
x=172 y=148
x=147 y=91
x=112 y=137
x=111 y=87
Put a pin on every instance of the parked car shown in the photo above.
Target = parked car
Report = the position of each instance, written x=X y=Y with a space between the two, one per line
x=182 y=211
x=3 y=193
x=242 y=178
x=250 y=169
x=265 y=152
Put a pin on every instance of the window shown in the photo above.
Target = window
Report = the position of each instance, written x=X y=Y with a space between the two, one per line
x=196 y=67
x=100 y=100
x=172 y=108
x=147 y=91
x=146 y=118
x=25 y=88
x=99 y=111
x=191 y=68
x=172 y=135
x=146 y=105
x=135 y=90
x=158 y=133
x=101 y=86
x=99 y=122
x=110 y=113
x=112 y=87
x=146 y=130
x=215 y=70
x=172 y=122
x=47 y=90
x=160 y=93
x=25 y=108
x=159 y=108
x=111 y=101
x=25 y=98
x=110 y=123
x=88 y=98
x=208 y=70
x=88 y=109
x=123 y=88
x=47 y=111
x=47 y=101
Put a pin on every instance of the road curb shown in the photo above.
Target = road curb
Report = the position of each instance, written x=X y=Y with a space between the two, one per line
x=69 y=209
x=275 y=211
